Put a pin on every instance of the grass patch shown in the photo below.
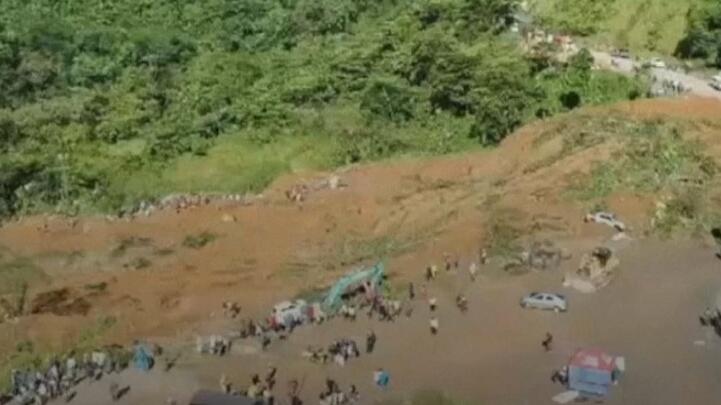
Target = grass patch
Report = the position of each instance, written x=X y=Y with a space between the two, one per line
x=200 y=240
x=16 y=273
x=504 y=233
x=163 y=252
x=355 y=250
x=140 y=263
x=653 y=157
x=97 y=287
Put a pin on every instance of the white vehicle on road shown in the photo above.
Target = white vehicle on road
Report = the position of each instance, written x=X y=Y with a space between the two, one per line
x=715 y=82
x=549 y=301
x=656 y=63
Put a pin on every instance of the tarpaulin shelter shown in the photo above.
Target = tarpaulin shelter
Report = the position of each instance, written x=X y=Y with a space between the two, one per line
x=143 y=358
x=372 y=277
x=591 y=371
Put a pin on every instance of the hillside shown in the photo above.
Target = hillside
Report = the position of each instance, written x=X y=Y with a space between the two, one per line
x=653 y=162
x=103 y=105
x=641 y=25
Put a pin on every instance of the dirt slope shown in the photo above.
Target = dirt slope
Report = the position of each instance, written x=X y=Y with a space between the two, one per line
x=409 y=212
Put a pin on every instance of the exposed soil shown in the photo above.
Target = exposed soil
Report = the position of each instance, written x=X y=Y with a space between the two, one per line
x=408 y=212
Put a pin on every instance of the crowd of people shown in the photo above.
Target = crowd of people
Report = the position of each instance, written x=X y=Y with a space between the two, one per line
x=60 y=376
x=58 y=379
x=339 y=351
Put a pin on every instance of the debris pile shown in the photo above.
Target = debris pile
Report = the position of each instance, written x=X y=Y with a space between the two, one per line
x=595 y=271
x=59 y=302
x=606 y=218
x=299 y=192
x=180 y=202
x=540 y=256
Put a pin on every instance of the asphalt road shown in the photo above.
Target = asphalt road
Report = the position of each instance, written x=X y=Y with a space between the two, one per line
x=696 y=85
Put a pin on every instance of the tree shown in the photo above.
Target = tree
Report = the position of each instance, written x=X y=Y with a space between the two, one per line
x=388 y=99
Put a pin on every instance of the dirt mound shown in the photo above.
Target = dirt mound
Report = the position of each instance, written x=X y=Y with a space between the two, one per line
x=59 y=302
x=596 y=270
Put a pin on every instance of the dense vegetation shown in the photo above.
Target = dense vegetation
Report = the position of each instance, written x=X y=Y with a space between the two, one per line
x=106 y=102
x=703 y=39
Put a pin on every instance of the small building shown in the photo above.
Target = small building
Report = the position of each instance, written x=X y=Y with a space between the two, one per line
x=592 y=372
x=207 y=397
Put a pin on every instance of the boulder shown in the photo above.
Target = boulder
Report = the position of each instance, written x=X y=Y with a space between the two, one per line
x=596 y=270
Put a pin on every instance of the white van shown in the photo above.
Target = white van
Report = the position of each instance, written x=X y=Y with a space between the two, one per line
x=716 y=82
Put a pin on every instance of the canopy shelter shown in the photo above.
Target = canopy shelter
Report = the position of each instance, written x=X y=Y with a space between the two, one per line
x=591 y=372
x=370 y=277
x=143 y=358
x=207 y=397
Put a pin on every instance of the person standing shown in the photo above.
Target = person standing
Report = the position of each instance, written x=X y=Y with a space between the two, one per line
x=411 y=291
x=353 y=394
x=432 y=304
x=434 y=325
x=547 y=342
x=473 y=271
x=381 y=378
x=370 y=342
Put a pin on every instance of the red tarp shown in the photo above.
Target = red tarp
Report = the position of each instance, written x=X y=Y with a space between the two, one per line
x=593 y=358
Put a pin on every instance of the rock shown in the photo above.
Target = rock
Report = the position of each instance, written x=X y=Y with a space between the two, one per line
x=229 y=218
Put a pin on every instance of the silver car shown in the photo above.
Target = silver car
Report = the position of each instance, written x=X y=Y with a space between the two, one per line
x=539 y=300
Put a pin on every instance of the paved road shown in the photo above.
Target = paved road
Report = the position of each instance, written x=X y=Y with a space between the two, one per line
x=696 y=85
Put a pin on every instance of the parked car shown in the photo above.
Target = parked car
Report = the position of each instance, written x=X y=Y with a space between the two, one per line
x=621 y=53
x=716 y=82
x=656 y=63
x=287 y=313
x=606 y=218
x=540 y=300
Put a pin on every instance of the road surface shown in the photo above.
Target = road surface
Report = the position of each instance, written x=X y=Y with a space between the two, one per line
x=696 y=85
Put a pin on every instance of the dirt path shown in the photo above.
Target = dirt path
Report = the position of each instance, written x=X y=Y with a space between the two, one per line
x=696 y=85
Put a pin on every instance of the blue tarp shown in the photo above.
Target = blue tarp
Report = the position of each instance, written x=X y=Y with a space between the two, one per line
x=589 y=380
x=142 y=357
x=373 y=275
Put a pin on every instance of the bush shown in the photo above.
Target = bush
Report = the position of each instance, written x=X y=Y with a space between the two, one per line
x=200 y=240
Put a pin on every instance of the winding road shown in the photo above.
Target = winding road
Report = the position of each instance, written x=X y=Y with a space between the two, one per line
x=696 y=85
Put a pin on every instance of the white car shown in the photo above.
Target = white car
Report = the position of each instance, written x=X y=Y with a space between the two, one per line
x=656 y=63
x=287 y=313
x=550 y=301
x=606 y=218
x=716 y=82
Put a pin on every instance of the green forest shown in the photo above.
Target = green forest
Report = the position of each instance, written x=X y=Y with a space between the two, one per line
x=104 y=103
x=703 y=37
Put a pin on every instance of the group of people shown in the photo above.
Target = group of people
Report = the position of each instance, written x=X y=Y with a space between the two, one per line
x=431 y=273
x=216 y=345
x=58 y=379
x=340 y=351
x=712 y=318
x=259 y=390
x=333 y=395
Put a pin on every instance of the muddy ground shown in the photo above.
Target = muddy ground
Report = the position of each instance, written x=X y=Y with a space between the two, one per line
x=493 y=354
x=145 y=277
